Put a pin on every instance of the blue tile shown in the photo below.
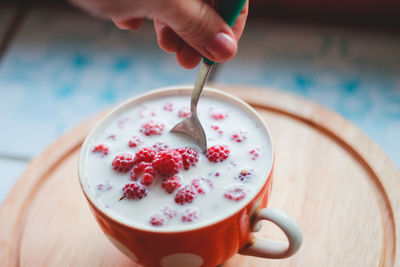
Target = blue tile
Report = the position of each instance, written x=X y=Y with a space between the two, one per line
x=53 y=79
x=356 y=73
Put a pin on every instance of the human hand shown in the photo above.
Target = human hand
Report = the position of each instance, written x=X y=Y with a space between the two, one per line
x=189 y=28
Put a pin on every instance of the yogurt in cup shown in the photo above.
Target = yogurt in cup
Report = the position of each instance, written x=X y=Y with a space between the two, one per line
x=163 y=202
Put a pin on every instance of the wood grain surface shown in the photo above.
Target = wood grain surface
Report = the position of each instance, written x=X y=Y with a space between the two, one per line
x=334 y=180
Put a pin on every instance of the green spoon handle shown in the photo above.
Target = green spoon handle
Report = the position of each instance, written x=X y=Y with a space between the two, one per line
x=229 y=10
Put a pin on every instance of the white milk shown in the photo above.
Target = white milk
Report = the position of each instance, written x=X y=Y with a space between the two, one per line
x=225 y=174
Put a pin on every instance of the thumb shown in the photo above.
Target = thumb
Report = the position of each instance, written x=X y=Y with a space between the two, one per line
x=201 y=27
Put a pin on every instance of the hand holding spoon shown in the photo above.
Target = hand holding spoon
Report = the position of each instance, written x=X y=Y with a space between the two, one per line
x=191 y=127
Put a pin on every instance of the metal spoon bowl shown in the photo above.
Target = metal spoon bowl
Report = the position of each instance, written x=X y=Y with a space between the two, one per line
x=191 y=126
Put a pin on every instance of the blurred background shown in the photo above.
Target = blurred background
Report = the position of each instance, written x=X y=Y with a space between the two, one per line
x=59 y=67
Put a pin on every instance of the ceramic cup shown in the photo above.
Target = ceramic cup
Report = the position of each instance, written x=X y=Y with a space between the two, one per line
x=213 y=243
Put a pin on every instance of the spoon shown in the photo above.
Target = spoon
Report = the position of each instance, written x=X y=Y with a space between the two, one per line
x=191 y=127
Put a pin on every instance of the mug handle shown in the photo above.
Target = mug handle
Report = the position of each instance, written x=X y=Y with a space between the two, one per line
x=265 y=248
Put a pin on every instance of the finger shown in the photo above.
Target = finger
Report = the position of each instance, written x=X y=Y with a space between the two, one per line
x=130 y=24
x=201 y=28
x=167 y=38
x=187 y=57
x=240 y=22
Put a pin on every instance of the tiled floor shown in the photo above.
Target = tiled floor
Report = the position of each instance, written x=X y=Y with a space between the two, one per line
x=63 y=67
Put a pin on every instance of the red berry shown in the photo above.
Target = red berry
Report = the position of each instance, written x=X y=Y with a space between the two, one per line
x=184 y=112
x=239 y=136
x=190 y=157
x=235 y=192
x=138 y=169
x=217 y=129
x=168 y=106
x=112 y=137
x=148 y=175
x=167 y=162
x=152 y=127
x=123 y=162
x=160 y=146
x=245 y=175
x=254 y=153
x=101 y=149
x=190 y=214
x=218 y=115
x=169 y=212
x=134 y=141
x=147 y=179
x=145 y=154
x=202 y=185
x=185 y=195
x=217 y=153
x=104 y=187
x=157 y=220
x=134 y=190
x=172 y=183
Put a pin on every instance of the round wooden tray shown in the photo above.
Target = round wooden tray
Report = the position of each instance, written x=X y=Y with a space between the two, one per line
x=337 y=183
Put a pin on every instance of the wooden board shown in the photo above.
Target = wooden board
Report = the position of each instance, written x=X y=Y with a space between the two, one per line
x=336 y=182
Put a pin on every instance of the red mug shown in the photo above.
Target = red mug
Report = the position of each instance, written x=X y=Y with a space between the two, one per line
x=207 y=245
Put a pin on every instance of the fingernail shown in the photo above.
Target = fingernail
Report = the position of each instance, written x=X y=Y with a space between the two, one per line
x=221 y=47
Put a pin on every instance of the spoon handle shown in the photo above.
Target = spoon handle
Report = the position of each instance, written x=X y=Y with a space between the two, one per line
x=198 y=86
x=229 y=10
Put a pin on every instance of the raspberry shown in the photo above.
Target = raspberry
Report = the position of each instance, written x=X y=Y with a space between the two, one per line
x=190 y=157
x=123 y=162
x=254 y=153
x=169 y=212
x=239 y=136
x=217 y=153
x=185 y=195
x=134 y=141
x=245 y=175
x=152 y=128
x=133 y=190
x=147 y=179
x=148 y=175
x=167 y=162
x=112 y=137
x=184 y=112
x=160 y=146
x=215 y=173
x=217 y=129
x=157 y=220
x=104 y=187
x=218 y=115
x=145 y=154
x=168 y=106
x=101 y=149
x=172 y=183
x=190 y=214
x=236 y=192
x=138 y=169
x=202 y=185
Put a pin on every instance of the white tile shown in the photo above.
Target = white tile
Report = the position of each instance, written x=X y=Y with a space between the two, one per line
x=10 y=172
